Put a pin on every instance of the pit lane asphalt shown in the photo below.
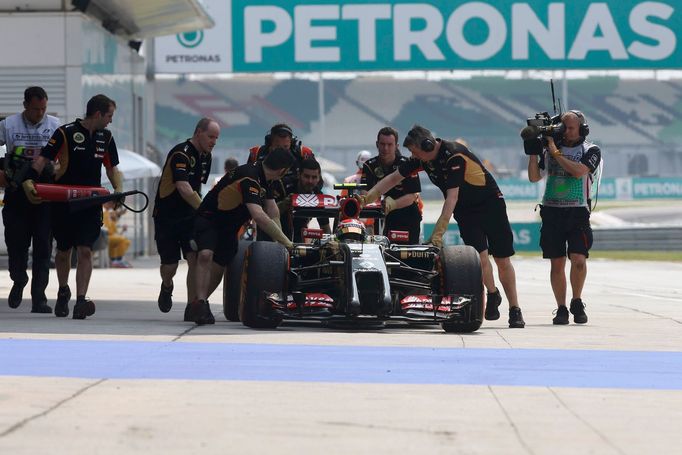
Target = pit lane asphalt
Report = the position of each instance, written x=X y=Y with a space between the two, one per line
x=133 y=380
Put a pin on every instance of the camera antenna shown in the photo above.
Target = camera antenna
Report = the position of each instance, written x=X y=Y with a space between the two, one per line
x=551 y=84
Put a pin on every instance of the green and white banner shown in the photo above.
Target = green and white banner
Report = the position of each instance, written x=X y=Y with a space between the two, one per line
x=526 y=235
x=370 y=35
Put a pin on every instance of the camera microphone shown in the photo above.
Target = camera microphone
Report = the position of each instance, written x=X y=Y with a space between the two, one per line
x=529 y=132
x=533 y=146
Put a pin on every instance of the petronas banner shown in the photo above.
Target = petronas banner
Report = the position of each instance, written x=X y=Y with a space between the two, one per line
x=371 y=35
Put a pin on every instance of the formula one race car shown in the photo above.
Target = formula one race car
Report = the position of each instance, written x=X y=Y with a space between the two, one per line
x=351 y=277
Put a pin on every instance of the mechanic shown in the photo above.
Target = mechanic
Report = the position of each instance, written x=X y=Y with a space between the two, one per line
x=82 y=147
x=360 y=160
x=308 y=182
x=241 y=194
x=565 y=210
x=178 y=196
x=282 y=136
x=400 y=205
x=473 y=197
x=24 y=135
x=229 y=164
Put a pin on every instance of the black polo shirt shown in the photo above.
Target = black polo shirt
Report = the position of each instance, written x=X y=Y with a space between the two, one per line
x=226 y=202
x=184 y=163
x=80 y=155
x=373 y=172
x=456 y=167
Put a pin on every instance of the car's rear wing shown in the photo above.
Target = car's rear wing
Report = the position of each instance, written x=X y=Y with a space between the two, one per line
x=324 y=205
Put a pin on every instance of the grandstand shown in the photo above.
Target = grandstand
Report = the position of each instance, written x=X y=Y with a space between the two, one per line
x=637 y=122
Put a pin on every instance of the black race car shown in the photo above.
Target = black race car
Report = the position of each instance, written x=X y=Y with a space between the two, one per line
x=352 y=277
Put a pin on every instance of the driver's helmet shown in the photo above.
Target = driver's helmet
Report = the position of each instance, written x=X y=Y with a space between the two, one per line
x=363 y=156
x=351 y=231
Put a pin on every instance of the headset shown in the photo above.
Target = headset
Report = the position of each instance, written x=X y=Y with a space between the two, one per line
x=425 y=144
x=279 y=130
x=584 y=128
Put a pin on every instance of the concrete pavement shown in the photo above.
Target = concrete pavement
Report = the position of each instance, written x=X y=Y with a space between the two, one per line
x=133 y=380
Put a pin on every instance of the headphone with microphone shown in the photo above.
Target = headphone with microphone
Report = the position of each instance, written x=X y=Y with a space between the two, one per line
x=425 y=144
x=279 y=130
x=584 y=128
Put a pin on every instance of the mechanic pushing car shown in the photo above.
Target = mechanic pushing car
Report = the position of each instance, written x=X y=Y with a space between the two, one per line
x=243 y=193
x=308 y=182
x=400 y=205
x=473 y=197
x=178 y=196
x=282 y=136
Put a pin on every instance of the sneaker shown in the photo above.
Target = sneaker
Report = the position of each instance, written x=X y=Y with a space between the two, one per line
x=188 y=313
x=16 y=295
x=578 y=311
x=41 y=307
x=561 y=317
x=201 y=312
x=493 y=300
x=165 y=298
x=83 y=308
x=516 y=318
x=61 y=309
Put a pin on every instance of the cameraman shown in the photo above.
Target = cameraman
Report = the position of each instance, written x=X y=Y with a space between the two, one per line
x=565 y=209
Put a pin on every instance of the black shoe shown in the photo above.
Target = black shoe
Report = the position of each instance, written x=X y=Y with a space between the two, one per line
x=561 y=317
x=16 y=295
x=165 y=298
x=41 y=307
x=578 y=311
x=493 y=300
x=188 y=313
x=83 y=308
x=201 y=312
x=61 y=309
x=516 y=318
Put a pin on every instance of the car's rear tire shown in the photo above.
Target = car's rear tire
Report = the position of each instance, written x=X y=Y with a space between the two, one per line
x=264 y=271
x=460 y=269
x=232 y=283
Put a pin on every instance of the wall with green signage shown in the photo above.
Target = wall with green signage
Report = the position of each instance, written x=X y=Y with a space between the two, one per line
x=526 y=235
x=357 y=35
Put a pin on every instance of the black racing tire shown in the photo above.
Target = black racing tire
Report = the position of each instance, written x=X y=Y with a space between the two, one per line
x=460 y=269
x=264 y=271
x=232 y=283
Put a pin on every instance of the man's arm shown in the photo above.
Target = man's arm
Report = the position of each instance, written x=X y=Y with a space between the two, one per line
x=451 y=198
x=267 y=224
x=534 y=172
x=382 y=186
x=405 y=201
x=3 y=133
x=116 y=178
x=271 y=208
x=576 y=169
x=188 y=194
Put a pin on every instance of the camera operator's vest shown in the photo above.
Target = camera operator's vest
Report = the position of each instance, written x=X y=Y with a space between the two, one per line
x=564 y=190
x=24 y=141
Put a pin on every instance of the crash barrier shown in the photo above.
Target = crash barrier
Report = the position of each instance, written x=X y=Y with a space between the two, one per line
x=527 y=237
x=619 y=189
x=639 y=238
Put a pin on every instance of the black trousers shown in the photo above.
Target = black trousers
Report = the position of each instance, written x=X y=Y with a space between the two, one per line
x=405 y=219
x=26 y=223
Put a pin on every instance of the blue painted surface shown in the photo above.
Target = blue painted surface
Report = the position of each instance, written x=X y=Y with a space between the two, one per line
x=343 y=364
